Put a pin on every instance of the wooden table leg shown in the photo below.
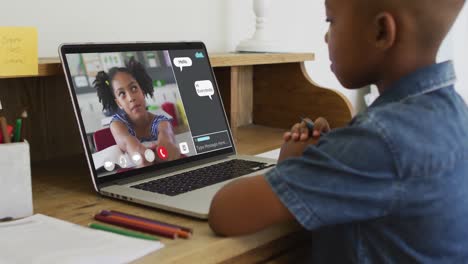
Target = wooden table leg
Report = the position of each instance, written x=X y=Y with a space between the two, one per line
x=241 y=97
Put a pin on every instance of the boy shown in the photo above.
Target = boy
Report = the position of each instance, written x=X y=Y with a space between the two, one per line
x=392 y=186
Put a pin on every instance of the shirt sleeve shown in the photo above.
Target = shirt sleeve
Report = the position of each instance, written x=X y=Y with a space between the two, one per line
x=348 y=176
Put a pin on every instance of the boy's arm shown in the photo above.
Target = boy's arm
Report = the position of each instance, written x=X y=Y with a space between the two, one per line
x=246 y=206
x=249 y=204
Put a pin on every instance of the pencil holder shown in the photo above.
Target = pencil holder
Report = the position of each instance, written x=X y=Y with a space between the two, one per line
x=15 y=180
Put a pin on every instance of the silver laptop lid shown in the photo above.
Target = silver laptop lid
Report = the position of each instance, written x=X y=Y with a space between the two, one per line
x=145 y=107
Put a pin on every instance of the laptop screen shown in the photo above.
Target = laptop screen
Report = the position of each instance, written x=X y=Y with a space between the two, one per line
x=144 y=107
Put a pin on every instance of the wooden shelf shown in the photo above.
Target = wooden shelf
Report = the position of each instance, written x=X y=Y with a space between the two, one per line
x=52 y=66
x=246 y=59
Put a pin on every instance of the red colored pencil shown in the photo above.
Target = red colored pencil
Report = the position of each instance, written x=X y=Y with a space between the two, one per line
x=186 y=229
x=113 y=221
x=178 y=231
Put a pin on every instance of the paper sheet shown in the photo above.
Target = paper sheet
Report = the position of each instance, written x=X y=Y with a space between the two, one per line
x=273 y=154
x=44 y=239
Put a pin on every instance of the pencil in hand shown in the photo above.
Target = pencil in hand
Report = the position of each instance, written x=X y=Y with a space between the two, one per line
x=311 y=127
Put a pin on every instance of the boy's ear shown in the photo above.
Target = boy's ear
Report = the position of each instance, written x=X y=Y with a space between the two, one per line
x=385 y=30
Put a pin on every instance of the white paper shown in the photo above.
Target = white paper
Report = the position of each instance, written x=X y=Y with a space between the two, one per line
x=42 y=239
x=273 y=154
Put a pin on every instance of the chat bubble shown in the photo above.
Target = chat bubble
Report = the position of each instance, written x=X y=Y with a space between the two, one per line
x=182 y=62
x=204 y=88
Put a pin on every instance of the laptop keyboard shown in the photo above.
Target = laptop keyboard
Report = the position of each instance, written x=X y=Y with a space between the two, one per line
x=199 y=178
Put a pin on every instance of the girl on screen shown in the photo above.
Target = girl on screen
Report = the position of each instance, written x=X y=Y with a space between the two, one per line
x=122 y=91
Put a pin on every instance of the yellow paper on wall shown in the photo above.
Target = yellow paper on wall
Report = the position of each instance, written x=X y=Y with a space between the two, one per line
x=18 y=51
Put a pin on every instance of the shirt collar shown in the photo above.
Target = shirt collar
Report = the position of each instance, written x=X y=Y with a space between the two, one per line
x=422 y=81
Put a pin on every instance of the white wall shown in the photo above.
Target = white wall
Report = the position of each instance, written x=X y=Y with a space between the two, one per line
x=118 y=20
x=455 y=48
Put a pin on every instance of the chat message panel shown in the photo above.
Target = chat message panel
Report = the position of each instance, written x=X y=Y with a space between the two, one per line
x=211 y=142
x=198 y=91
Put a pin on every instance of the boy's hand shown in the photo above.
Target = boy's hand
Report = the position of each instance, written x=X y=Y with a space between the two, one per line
x=301 y=131
x=292 y=149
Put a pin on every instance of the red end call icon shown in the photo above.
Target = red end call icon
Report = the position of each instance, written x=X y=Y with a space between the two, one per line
x=162 y=152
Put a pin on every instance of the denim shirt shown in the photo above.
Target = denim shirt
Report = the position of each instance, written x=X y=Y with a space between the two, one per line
x=392 y=186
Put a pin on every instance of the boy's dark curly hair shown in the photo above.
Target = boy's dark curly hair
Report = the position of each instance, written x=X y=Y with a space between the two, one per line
x=105 y=91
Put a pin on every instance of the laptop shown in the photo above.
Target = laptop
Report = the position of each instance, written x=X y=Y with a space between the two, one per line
x=179 y=170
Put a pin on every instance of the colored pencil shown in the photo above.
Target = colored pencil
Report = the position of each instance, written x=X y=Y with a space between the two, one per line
x=186 y=229
x=133 y=226
x=143 y=226
x=4 y=127
x=121 y=231
x=24 y=116
x=310 y=126
x=18 y=129
x=178 y=231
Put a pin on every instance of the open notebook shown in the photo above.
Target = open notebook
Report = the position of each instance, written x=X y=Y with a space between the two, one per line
x=44 y=239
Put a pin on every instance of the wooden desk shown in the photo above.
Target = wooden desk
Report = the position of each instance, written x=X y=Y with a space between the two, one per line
x=63 y=189
x=264 y=94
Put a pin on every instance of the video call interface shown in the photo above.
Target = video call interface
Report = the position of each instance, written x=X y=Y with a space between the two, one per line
x=147 y=107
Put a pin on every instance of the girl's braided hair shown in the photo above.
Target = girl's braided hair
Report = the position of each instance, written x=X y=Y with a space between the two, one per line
x=105 y=91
